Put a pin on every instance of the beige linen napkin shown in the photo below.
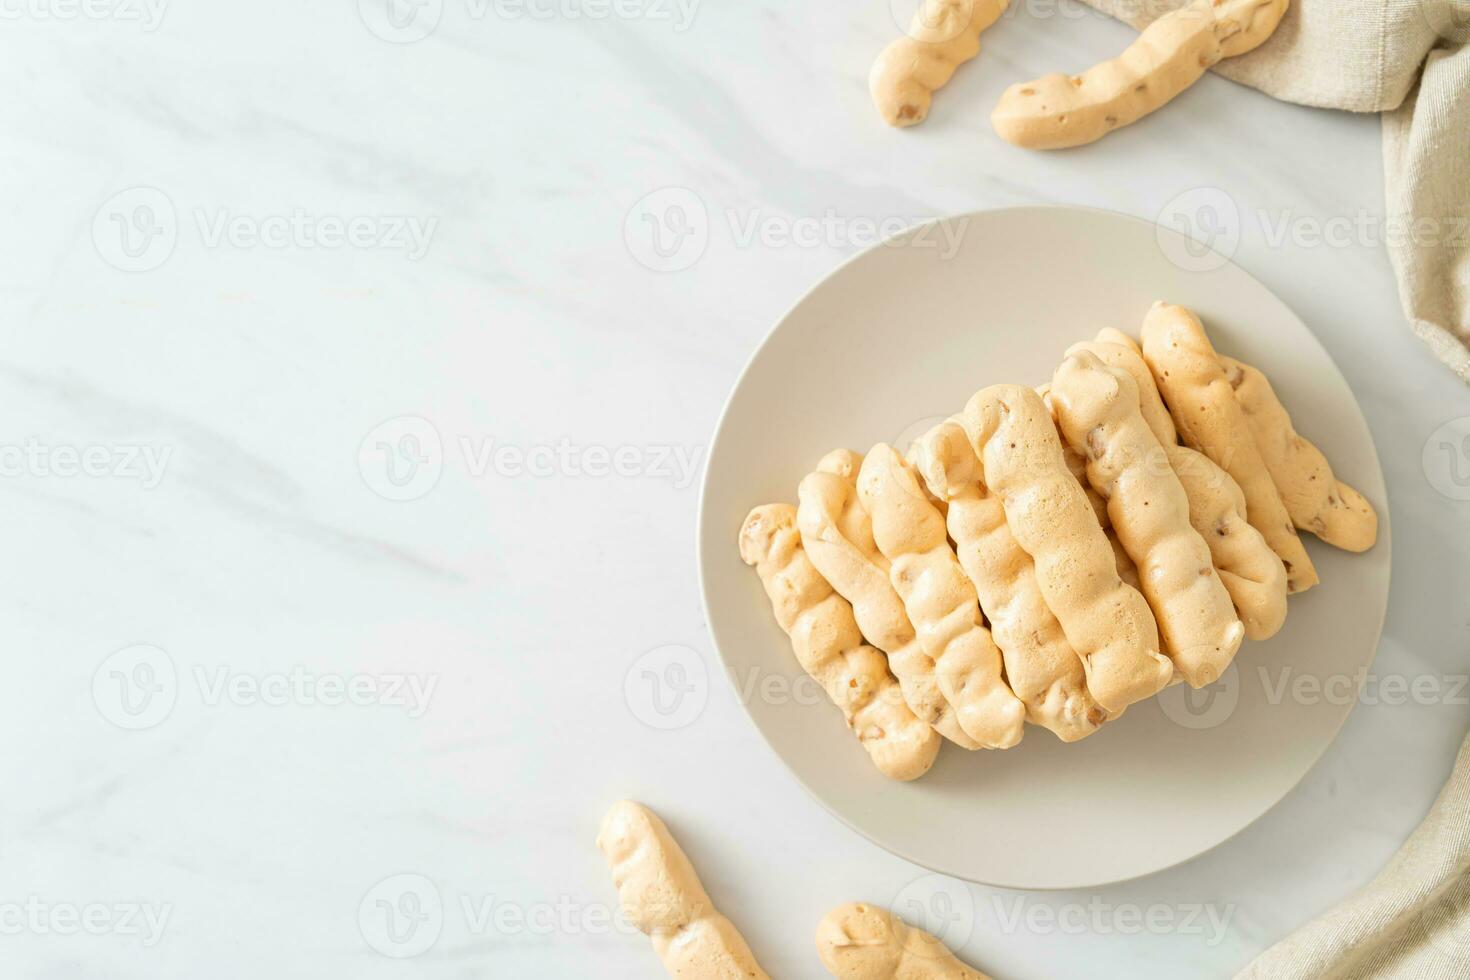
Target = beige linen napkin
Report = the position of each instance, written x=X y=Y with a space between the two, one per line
x=1410 y=60
x=1412 y=922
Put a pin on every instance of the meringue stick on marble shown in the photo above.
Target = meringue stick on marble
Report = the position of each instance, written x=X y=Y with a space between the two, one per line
x=1316 y=500
x=1251 y=571
x=942 y=35
x=1041 y=667
x=939 y=599
x=1097 y=410
x=659 y=892
x=1171 y=54
x=827 y=643
x=838 y=537
x=1106 y=622
x=863 y=942
x=1202 y=403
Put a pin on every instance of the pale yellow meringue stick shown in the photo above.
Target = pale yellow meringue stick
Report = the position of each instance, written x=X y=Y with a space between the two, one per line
x=1316 y=500
x=863 y=942
x=1203 y=406
x=1077 y=466
x=659 y=892
x=1252 y=572
x=1057 y=110
x=943 y=35
x=1097 y=410
x=1106 y=622
x=827 y=643
x=838 y=537
x=939 y=599
x=1041 y=667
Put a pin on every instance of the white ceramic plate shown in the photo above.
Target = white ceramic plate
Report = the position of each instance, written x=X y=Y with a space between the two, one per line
x=899 y=338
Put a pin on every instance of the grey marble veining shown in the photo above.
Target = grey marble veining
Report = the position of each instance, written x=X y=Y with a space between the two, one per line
x=344 y=611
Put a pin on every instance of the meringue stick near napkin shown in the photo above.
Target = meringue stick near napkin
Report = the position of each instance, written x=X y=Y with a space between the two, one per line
x=1410 y=61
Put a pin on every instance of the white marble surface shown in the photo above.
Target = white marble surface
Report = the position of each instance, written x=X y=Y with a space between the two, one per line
x=233 y=514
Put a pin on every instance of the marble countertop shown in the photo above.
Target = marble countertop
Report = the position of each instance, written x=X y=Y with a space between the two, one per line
x=360 y=365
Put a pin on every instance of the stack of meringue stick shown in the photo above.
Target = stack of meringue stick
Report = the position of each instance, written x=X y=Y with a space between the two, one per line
x=660 y=893
x=1052 y=556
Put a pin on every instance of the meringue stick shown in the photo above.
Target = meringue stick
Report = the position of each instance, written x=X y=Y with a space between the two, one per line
x=1097 y=409
x=1058 y=111
x=838 y=538
x=1253 y=574
x=939 y=599
x=1251 y=571
x=942 y=35
x=863 y=942
x=830 y=648
x=1077 y=466
x=1041 y=667
x=1106 y=622
x=1209 y=419
x=659 y=892
x=1316 y=500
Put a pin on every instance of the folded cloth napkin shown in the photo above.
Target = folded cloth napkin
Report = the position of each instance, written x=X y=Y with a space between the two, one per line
x=1412 y=922
x=1410 y=60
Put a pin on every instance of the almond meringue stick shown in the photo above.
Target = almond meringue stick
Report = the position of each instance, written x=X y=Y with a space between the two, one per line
x=1203 y=406
x=1106 y=622
x=1097 y=409
x=942 y=35
x=863 y=942
x=838 y=537
x=1058 y=110
x=827 y=643
x=940 y=600
x=1251 y=572
x=659 y=892
x=1316 y=500
x=1041 y=667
